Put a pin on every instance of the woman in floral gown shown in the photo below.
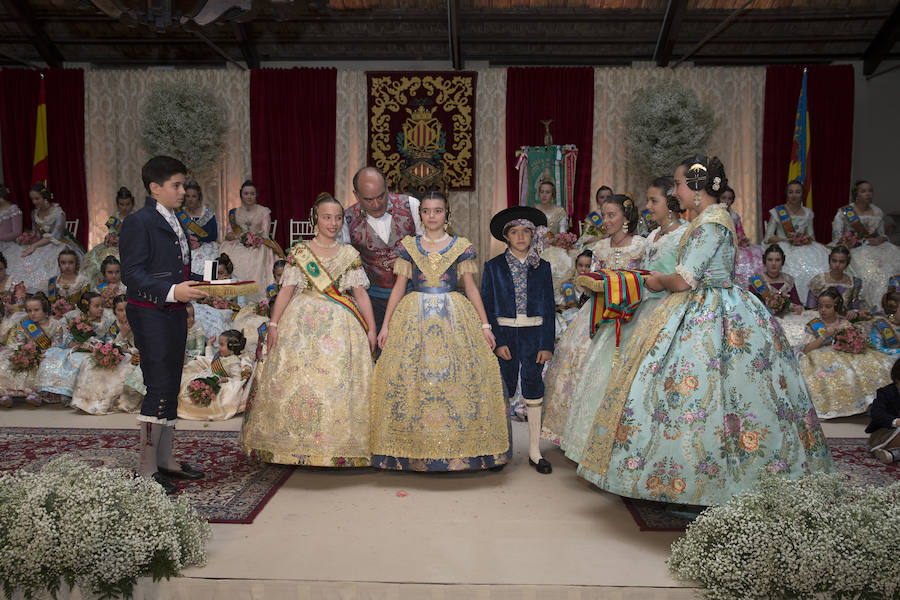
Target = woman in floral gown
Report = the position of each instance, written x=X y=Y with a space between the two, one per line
x=804 y=257
x=709 y=395
x=875 y=259
x=251 y=261
x=93 y=258
x=774 y=280
x=311 y=405
x=599 y=366
x=624 y=249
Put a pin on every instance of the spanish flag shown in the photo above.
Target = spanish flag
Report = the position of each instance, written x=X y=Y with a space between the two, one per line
x=39 y=171
x=799 y=168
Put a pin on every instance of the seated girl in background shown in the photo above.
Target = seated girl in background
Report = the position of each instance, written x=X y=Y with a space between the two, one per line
x=790 y=225
x=37 y=329
x=841 y=373
x=200 y=222
x=222 y=367
x=860 y=227
x=885 y=333
x=111 y=284
x=87 y=325
x=848 y=286
x=93 y=259
x=37 y=261
x=66 y=287
x=100 y=390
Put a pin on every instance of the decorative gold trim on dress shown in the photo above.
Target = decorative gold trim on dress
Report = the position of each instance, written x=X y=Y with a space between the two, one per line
x=434 y=264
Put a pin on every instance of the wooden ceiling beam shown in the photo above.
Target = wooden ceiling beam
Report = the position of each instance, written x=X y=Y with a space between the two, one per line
x=884 y=40
x=248 y=49
x=34 y=31
x=665 y=41
x=453 y=33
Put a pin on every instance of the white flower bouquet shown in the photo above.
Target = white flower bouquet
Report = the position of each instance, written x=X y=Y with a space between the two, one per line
x=95 y=528
x=814 y=538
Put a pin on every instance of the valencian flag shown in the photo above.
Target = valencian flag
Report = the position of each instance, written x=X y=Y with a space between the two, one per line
x=799 y=168
x=39 y=171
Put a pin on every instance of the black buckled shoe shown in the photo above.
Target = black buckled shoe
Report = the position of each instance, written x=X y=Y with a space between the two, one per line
x=186 y=472
x=542 y=466
x=164 y=482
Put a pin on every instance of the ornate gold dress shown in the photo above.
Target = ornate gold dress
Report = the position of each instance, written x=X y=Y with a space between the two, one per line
x=100 y=391
x=437 y=397
x=21 y=383
x=311 y=403
x=842 y=384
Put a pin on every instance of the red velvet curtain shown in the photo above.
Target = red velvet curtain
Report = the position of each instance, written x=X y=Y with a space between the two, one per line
x=564 y=94
x=292 y=139
x=65 y=138
x=830 y=98
x=18 y=114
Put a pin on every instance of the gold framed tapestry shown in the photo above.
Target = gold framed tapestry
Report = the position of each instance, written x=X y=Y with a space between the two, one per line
x=422 y=128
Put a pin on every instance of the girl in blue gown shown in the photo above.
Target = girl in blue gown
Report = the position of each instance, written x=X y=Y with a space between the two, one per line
x=709 y=395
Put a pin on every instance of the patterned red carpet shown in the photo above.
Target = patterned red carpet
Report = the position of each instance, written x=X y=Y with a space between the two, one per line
x=850 y=455
x=234 y=490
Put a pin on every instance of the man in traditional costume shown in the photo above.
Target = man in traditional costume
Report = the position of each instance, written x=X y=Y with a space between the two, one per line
x=375 y=225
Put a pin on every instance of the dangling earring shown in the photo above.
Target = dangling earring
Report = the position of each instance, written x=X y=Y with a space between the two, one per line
x=671 y=215
x=625 y=227
x=697 y=198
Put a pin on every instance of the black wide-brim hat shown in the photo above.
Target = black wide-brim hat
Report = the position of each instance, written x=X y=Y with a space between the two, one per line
x=529 y=213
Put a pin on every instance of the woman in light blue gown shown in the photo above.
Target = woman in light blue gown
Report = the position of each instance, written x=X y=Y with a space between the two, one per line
x=599 y=366
x=709 y=394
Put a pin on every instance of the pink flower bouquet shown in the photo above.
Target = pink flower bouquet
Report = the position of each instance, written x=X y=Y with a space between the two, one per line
x=850 y=239
x=194 y=241
x=28 y=238
x=111 y=240
x=776 y=303
x=566 y=241
x=26 y=357
x=107 y=356
x=251 y=240
x=61 y=307
x=798 y=238
x=850 y=340
x=81 y=328
x=202 y=391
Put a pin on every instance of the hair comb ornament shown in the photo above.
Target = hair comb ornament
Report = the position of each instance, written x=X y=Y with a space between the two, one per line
x=717 y=183
x=696 y=176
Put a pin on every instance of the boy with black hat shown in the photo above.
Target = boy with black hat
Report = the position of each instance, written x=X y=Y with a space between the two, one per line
x=517 y=290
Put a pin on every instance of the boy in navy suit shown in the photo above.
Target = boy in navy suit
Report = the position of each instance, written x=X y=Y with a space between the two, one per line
x=517 y=291
x=156 y=259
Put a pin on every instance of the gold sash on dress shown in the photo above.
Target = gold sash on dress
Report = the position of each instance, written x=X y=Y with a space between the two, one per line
x=322 y=281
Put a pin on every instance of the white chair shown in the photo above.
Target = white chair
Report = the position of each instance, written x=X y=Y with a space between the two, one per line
x=300 y=229
x=72 y=227
x=273 y=228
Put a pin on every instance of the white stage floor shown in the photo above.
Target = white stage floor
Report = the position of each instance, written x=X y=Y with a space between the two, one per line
x=347 y=534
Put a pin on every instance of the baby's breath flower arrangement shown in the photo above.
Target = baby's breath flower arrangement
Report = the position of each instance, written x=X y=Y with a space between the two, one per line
x=663 y=122
x=814 y=538
x=98 y=529
x=184 y=122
